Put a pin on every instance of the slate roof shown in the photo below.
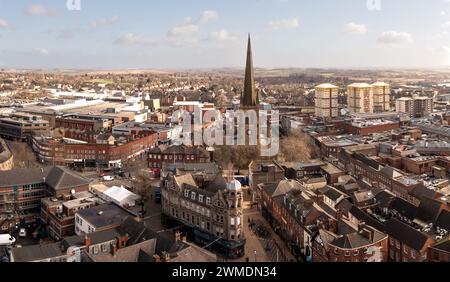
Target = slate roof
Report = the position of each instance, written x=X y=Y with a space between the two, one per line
x=406 y=234
x=331 y=193
x=351 y=241
x=443 y=246
x=421 y=192
x=443 y=220
x=22 y=176
x=37 y=252
x=367 y=219
x=405 y=208
x=428 y=210
x=63 y=178
x=57 y=177
x=111 y=214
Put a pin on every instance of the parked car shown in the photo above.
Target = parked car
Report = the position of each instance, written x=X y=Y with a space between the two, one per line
x=22 y=232
x=7 y=240
x=108 y=178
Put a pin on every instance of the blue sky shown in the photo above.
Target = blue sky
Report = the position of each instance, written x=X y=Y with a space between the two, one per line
x=169 y=34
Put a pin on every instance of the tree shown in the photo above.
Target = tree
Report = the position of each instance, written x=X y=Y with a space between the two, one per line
x=142 y=185
x=297 y=147
x=239 y=156
x=222 y=100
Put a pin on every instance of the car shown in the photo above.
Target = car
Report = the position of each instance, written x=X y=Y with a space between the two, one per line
x=108 y=178
x=7 y=240
x=22 y=232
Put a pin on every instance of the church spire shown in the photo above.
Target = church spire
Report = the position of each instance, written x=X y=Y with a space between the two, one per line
x=249 y=97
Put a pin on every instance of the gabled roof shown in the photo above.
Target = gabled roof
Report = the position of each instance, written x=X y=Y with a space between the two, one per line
x=428 y=210
x=406 y=234
x=443 y=220
x=351 y=241
x=37 y=252
x=443 y=246
x=185 y=179
x=405 y=208
x=421 y=192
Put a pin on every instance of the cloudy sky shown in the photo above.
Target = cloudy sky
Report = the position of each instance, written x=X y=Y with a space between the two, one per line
x=168 y=34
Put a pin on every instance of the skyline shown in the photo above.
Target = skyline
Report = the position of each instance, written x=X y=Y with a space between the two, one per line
x=200 y=34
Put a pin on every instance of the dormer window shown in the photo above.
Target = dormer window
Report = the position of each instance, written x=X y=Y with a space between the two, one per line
x=186 y=193
x=208 y=200
x=200 y=198
x=193 y=195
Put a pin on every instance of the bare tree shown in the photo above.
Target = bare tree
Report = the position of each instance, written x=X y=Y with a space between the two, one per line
x=142 y=187
x=239 y=156
x=297 y=147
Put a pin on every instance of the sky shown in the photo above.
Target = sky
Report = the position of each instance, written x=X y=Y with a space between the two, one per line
x=186 y=34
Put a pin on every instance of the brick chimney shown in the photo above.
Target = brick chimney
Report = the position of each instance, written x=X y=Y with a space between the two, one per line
x=87 y=241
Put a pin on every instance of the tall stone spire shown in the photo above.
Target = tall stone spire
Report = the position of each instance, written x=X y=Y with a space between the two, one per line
x=249 y=98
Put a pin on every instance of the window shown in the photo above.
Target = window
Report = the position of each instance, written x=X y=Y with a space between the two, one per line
x=200 y=198
x=356 y=253
x=413 y=254
x=193 y=195
x=95 y=250
x=186 y=193
x=347 y=253
x=232 y=221
x=405 y=249
x=105 y=248
x=208 y=200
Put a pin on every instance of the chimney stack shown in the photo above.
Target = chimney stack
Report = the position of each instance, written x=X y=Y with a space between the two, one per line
x=87 y=241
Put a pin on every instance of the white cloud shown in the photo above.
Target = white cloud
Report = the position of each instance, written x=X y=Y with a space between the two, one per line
x=446 y=25
x=40 y=10
x=443 y=13
x=42 y=51
x=445 y=49
x=208 y=16
x=394 y=38
x=189 y=27
x=134 y=39
x=185 y=29
x=101 y=22
x=223 y=35
x=3 y=23
x=354 y=28
x=284 y=24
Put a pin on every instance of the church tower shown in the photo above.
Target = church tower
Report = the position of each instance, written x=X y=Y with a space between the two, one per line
x=249 y=98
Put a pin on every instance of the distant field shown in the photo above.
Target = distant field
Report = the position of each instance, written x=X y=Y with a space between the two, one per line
x=101 y=81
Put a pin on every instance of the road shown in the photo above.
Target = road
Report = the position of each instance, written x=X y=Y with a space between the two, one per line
x=23 y=155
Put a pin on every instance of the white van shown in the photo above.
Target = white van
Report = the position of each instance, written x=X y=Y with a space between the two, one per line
x=7 y=240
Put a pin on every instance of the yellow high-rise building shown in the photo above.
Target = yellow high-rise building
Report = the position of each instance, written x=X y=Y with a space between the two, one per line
x=381 y=97
x=326 y=101
x=360 y=98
